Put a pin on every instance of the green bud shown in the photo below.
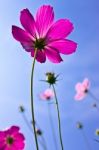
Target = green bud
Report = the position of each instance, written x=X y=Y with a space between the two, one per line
x=51 y=78
x=97 y=132
x=38 y=132
x=79 y=125
x=21 y=109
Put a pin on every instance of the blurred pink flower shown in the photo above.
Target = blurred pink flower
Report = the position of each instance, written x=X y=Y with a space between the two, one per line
x=11 y=139
x=45 y=35
x=82 y=89
x=48 y=94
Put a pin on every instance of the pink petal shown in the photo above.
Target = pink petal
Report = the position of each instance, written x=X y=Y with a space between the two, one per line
x=53 y=55
x=44 y=19
x=27 y=21
x=2 y=135
x=19 y=137
x=14 y=128
x=49 y=92
x=79 y=96
x=60 y=29
x=12 y=148
x=21 y=35
x=64 y=46
x=86 y=83
x=19 y=145
x=78 y=87
x=40 y=57
x=28 y=46
x=2 y=145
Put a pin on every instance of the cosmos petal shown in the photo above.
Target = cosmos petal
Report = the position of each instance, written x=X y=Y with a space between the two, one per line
x=44 y=19
x=60 y=29
x=53 y=55
x=21 y=35
x=79 y=96
x=40 y=57
x=28 y=21
x=86 y=83
x=64 y=46
x=28 y=46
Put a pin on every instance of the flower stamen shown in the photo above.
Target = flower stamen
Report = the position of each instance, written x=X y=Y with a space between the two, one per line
x=39 y=43
x=9 y=140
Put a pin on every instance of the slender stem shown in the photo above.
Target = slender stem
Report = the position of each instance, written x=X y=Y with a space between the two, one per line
x=30 y=128
x=42 y=137
x=27 y=123
x=86 y=140
x=43 y=142
x=52 y=126
x=93 y=96
x=97 y=108
x=32 y=103
x=96 y=140
x=59 y=123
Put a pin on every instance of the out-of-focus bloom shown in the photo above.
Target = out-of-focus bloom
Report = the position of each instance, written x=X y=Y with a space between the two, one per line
x=82 y=89
x=97 y=132
x=12 y=139
x=21 y=109
x=79 y=125
x=38 y=132
x=47 y=94
x=44 y=34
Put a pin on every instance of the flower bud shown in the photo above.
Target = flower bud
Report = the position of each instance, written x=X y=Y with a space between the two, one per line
x=79 y=125
x=94 y=105
x=38 y=132
x=51 y=78
x=21 y=109
x=97 y=132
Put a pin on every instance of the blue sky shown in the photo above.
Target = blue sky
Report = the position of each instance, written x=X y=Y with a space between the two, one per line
x=15 y=65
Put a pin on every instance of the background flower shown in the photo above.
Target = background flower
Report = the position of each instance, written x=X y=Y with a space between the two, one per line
x=47 y=94
x=82 y=89
x=11 y=139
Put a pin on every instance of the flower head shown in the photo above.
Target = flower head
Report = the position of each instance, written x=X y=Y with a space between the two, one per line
x=11 y=139
x=47 y=94
x=82 y=89
x=94 y=105
x=21 y=109
x=44 y=35
x=38 y=132
x=97 y=132
x=51 y=78
x=79 y=125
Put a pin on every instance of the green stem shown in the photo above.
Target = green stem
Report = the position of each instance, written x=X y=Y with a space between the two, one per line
x=86 y=140
x=52 y=126
x=93 y=96
x=59 y=123
x=32 y=103
x=43 y=142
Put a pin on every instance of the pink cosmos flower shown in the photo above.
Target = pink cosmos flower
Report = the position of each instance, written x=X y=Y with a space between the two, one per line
x=82 y=89
x=11 y=139
x=47 y=94
x=44 y=34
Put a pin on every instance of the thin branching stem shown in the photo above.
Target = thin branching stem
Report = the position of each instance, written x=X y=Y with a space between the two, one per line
x=59 y=122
